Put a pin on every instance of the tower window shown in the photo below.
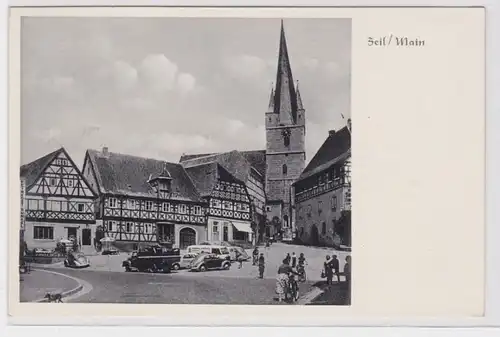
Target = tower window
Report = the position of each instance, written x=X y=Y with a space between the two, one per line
x=285 y=169
x=286 y=137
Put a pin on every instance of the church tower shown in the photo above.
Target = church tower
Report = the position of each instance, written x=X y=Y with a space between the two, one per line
x=285 y=141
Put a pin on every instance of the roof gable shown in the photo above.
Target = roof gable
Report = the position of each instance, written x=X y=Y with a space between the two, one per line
x=336 y=146
x=56 y=175
x=125 y=174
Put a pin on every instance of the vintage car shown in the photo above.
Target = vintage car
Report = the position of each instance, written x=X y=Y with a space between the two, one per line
x=152 y=259
x=76 y=260
x=234 y=250
x=205 y=262
x=185 y=261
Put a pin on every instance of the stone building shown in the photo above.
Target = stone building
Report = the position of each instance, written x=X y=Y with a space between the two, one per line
x=323 y=193
x=285 y=142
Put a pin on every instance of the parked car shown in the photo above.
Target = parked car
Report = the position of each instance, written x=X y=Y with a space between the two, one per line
x=152 y=259
x=76 y=260
x=243 y=254
x=205 y=262
x=209 y=249
x=185 y=261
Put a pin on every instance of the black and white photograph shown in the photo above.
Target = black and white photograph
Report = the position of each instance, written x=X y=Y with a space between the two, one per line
x=185 y=160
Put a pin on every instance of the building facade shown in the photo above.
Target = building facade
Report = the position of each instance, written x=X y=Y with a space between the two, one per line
x=58 y=202
x=144 y=200
x=322 y=195
x=229 y=214
x=285 y=143
x=247 y=167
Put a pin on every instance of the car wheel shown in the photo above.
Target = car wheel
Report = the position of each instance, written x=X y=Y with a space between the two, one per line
x=202 y=268
x=176 y=266
x=226 y=266
x=127 y=269
x=65 y=264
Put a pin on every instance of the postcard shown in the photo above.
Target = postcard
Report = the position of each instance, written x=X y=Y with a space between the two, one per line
x=235 y=161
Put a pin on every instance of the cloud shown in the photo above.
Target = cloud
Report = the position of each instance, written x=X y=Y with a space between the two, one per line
x=57 y=84
x=311 y=63
x=124 y=75
x=158 y=72
x=246 y=67
x=234 y=126
x=185 y=82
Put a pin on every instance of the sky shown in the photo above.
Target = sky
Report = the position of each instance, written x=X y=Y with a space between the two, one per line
x=161 y=87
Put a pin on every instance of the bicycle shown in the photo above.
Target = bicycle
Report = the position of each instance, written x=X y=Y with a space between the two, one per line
x=292 y=291
x=302 y=273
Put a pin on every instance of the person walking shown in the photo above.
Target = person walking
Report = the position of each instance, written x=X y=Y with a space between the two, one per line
x=261 y=265
x=336 y=267
x=239 y=258
x=288 y=258
x=347 y=269
x=255 y=256
x=327 y=267
x=294 y=260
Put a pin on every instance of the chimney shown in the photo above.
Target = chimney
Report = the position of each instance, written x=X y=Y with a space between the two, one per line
x=105 y=151
x=331 y=132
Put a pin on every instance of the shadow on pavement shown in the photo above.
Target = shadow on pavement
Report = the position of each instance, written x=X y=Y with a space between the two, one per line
x=335 y=294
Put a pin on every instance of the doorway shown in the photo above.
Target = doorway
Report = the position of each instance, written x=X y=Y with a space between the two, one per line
x=314 y=235
x=225 y=234
x=187 y=237
x=86 y=237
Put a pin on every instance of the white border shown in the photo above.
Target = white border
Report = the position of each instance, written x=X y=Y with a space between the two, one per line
x=493 y=139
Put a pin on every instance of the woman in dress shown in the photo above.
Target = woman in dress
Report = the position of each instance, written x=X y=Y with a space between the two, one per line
x=282 y=279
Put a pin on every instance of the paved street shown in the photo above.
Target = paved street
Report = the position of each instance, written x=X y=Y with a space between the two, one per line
x=35 y=285
x=175 y=288
x=111 y=284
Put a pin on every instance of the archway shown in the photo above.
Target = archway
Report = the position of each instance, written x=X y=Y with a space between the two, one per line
x=187 y=237
x=314 y=235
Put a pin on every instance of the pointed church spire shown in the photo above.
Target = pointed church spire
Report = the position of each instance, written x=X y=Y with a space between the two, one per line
x=285 y=99
x=299 y=99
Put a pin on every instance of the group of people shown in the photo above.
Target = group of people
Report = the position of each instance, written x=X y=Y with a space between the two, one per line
x=291 y=266
x=331 y=267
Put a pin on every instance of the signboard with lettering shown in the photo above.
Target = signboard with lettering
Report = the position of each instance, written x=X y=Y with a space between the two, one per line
x=23 y=198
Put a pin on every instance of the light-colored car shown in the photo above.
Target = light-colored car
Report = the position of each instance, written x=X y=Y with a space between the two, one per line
x=76 y=260
x=185 y=261
x=233 y=250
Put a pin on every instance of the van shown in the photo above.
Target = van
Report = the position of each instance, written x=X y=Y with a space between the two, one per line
x=209 y=249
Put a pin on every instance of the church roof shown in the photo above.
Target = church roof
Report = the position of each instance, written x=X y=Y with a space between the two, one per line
x=118 y=173
x=337 y=147
x=33 y=170
x=285 y=97
x=237 y=163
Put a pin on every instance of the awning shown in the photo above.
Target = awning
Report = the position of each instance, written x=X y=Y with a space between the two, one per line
x=242 y=226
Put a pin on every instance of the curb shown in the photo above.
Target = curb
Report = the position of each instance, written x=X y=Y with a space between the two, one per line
x=66 y=293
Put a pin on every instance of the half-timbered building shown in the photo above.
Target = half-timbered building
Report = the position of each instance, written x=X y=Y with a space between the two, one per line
x=143 y=200
x=323 y=192
x=58 y=201
x=246 y=166
x=229 y=214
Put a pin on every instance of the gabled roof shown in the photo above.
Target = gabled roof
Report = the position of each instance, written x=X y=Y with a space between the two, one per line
x=125 y=174
x=33 y=170
x=337 y=147
x=205 y=177
x=237 y=163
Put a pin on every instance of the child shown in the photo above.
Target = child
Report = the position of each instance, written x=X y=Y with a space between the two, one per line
x=261 y=265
